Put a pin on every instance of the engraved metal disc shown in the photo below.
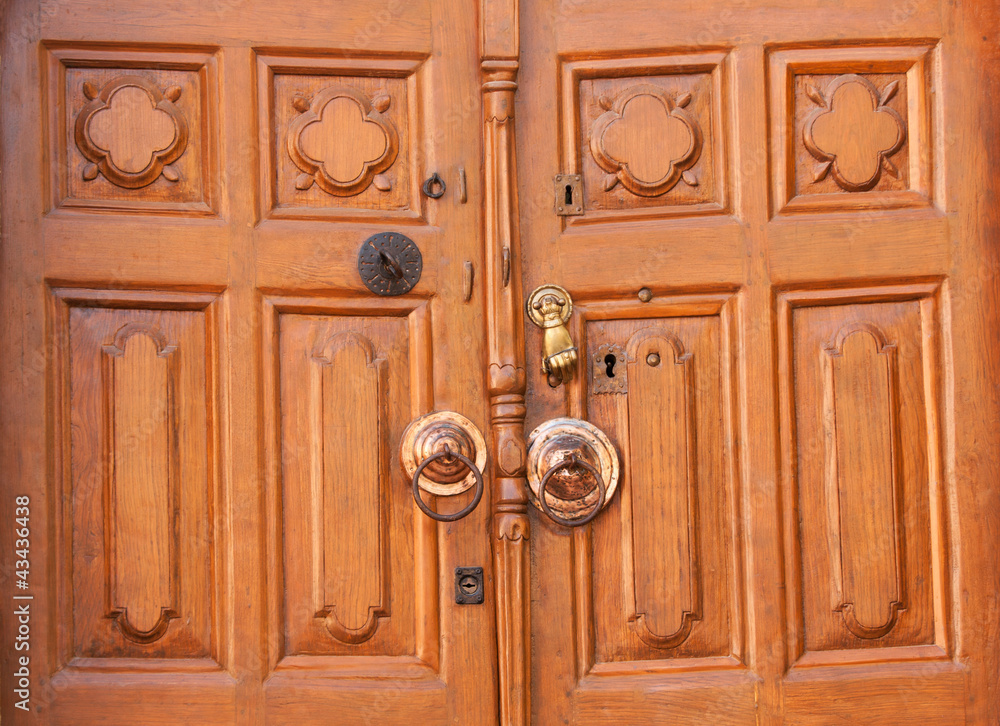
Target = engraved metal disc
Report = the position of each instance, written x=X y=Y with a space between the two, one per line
x=569 y=494
x=390 y=263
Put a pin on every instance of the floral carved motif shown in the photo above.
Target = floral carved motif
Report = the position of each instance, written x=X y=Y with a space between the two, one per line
x=342 y=142
x=646 y=141
x=131 y=132
x=853 y=132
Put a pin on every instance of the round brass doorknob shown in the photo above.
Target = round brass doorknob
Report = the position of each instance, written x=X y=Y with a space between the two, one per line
x=572 y=470
x=444 y=454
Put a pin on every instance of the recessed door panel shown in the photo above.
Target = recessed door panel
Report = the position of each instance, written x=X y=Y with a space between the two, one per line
x=356 y=557
x=665 y=546
x=137 y=444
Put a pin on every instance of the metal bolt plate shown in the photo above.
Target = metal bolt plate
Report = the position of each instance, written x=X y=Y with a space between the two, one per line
x=568 y=194
x=469 y=585
x=609 y=369
x=390 y=263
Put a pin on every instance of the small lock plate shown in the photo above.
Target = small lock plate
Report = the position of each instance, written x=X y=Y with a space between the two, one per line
x=609 y=369
x=469 y=585
x=568 y=194
x=390 y=263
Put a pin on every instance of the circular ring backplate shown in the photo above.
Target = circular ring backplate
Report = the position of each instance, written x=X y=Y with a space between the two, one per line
x=556 y=440
x=428 y=435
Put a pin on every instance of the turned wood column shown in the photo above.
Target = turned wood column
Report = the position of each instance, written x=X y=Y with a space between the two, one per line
x=506 y=358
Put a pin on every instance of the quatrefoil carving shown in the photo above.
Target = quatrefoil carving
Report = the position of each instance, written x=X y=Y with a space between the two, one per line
x=853 y=132
x=646 y=141
x=342 y=141
x=131 y=132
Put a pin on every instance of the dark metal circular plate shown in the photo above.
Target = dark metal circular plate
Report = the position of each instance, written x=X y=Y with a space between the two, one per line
x=390 y=263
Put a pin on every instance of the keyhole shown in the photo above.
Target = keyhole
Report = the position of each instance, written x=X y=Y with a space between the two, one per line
x=468 y=584
x=609 y=361
x=569 y=194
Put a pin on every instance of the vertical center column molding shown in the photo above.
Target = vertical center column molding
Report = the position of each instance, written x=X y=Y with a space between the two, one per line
x=505 y=331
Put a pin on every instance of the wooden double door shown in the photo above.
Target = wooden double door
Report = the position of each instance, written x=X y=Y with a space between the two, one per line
x=777 y=224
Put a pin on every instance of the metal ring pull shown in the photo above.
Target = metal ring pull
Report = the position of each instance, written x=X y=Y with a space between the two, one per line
x=447 y=454
x=564 y=454
x=572 y=461
x=434 y=181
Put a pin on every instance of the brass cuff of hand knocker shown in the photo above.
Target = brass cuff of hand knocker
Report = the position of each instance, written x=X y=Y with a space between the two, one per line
x=573 y=460
x=554 y=379
x=448 y=454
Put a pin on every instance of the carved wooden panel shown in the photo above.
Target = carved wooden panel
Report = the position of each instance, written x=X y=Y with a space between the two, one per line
x=351 y=580
x=340 y=138
x=864 y=503
x=141 y=494
x=854 y=132
x=646 y=134
x=664 y=548
x=851 y=127
x=664 y=589
x=864 y=499
x=346 y=393
x=136 y=455
x=132 y=130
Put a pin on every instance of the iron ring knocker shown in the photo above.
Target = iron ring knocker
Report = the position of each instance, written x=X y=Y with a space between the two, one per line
x=429 y=185
x=573 y=460
x=471 y=467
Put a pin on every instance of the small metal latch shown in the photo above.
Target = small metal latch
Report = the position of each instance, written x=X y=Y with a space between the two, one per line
x=469 y=585
x=569 y=194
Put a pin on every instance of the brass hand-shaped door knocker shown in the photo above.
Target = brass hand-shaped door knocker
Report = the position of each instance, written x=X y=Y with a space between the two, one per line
x=550 y=307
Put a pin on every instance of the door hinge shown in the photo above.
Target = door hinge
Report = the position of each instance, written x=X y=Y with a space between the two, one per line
x=569 y=194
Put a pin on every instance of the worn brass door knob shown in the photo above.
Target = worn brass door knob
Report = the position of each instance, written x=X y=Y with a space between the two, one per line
x=444 y=454
x=572 y=470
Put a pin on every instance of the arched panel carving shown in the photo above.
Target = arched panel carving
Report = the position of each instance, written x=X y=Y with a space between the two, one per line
x=863 y=479
x=661 y=568
x=141 y=493
x=349 y=471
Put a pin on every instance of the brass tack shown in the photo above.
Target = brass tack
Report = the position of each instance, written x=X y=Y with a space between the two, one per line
x=645 y=294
